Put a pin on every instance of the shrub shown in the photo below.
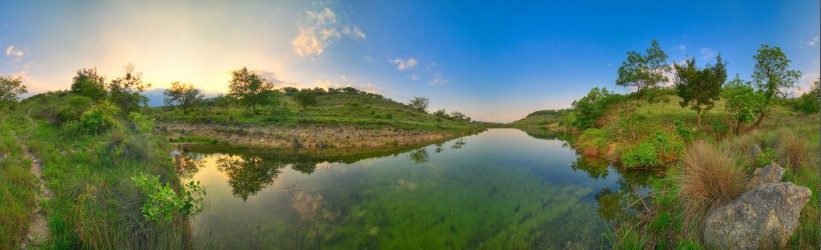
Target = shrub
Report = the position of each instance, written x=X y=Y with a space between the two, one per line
x=708 y=178
x=659 y=149
x=593 y=139
x=99 y=118
x=163 y=203
x=141 y=123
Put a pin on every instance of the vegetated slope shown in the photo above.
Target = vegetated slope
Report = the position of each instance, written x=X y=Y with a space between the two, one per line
x=540 y=118
x=367 y=110
x=95 y=204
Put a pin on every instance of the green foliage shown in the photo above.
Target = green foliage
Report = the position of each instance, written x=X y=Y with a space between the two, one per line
x=141 y=123
x=420 y=104
x=657 y=150
x=441 y=113
x=595 y=138
x=250 y=89
x=183 y=95
x=700 y=88
x=10 y=87
x=90 y=84
x=163 y=203
x=126 y=91
x=99 y=119
x=590 y=107
x=772 y=76
x=743 y=103
x=644 y=71
x=305 y=98
x=810 y=102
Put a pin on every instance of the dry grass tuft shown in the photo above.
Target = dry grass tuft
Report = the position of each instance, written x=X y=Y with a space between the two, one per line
x=709 y=178
x=793 y=149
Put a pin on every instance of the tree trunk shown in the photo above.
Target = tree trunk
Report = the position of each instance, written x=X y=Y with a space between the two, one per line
x=254 y=107
x=699 y=119
x=758 y=122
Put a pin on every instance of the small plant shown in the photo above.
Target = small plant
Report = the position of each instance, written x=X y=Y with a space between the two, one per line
x=659 y=149
x=99 y=119
x=141 y=123
x=163 y=203
x=793 y=149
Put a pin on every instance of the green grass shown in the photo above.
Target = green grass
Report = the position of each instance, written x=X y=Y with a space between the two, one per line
x=365 y=111
x=17 y=187
x=95 y=206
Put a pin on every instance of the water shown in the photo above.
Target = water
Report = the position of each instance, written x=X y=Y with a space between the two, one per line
x=498 y=189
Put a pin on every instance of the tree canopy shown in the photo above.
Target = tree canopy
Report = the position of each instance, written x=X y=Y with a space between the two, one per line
x=10 y=88
x=184 y=95
x=772 y=76
x=419 y=103
x=89 y=83
x=305 y=98
x=644 y=71
x=699 y=88
x=250 y=88
x=126 y=91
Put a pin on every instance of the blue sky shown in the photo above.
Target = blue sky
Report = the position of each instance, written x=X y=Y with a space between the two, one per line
x=493 y=61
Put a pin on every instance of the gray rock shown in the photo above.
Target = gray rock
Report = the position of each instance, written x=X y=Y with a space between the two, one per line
x=769 y=174
x=756 y=150
x=762 y=218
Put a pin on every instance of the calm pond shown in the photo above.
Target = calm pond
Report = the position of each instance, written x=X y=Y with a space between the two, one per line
x=498 y=189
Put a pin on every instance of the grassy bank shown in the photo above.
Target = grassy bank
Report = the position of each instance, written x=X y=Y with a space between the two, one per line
x=662 y=137
x=95 y=205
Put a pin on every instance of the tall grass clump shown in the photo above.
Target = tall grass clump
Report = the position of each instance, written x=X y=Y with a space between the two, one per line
x=709 y=178
x=793 y=149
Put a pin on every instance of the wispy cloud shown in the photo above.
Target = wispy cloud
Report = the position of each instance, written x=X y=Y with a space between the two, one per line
x=437 y=79
x=15 y=52
x=404 y=64
x=681 y=48
x=319 y=30
x=707 y=53
x=413 y=77
x=810 y=42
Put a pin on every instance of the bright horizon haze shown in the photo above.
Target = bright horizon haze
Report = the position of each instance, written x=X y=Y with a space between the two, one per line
x=492 y=61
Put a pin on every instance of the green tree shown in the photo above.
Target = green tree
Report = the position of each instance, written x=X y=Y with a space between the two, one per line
x=743 y=102
x=183 y=95
x=772 y=76
x=126 y=91
x=305 y=98
x=700 y=88
x=441 y=113
x=587 y=109
x=251 y=89
x=810 y=102
x=459 y=116
x=89 y=83
x=10 y=87
x=420 y=103
x=644 y=71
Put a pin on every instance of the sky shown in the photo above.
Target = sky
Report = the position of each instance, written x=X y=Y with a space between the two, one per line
x=492 y=60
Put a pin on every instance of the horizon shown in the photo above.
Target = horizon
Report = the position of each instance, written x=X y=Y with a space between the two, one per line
x=493 y=62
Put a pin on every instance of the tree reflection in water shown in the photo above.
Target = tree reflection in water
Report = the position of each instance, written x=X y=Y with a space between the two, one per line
x=419 y=155
x=595 y=167
x=248 y=174
x=187 y=164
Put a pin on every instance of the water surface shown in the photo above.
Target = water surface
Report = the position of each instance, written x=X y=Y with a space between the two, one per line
x=498 y=189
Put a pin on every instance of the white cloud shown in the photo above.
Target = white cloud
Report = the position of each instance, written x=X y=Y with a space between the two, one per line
x=413 y=77
x=681 y=48
x=437 y=79
x=404 y=64
x=809 y=43
x=12 y=51
x=805 y=83
x=343 y=78
x=353 y=32
x=707 y=53
x=319 y=30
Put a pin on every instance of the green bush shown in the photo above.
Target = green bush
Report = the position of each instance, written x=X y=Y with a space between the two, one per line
x=595 y=138
x=657 y=150
x=163 y=203
x=99 y=119
x=141 y=123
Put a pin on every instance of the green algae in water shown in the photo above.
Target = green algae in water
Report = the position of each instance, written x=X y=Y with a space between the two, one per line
x=499 y=189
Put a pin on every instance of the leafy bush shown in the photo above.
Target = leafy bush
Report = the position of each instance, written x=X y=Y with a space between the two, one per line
x=99 y=119
x=659 y=149
x=587 y=110
x=141 y=123
x=163 y=203
x=594 y=138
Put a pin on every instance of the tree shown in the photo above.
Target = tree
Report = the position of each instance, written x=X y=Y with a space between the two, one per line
x=126 y=91
x=10 y=87
x=459 y=116
x=250 y=88
x=419 y=103
x=183 y=95
x=699 y=88
x=305 y=98
x=743 y=102
x=587 y=109
x=89 y=83
x=441 y=113
x=644 y=72
x=810 y=102
x=772 y=76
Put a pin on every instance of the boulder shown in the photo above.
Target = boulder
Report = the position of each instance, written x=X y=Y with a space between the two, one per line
x=762 y=218
x=769 y=174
